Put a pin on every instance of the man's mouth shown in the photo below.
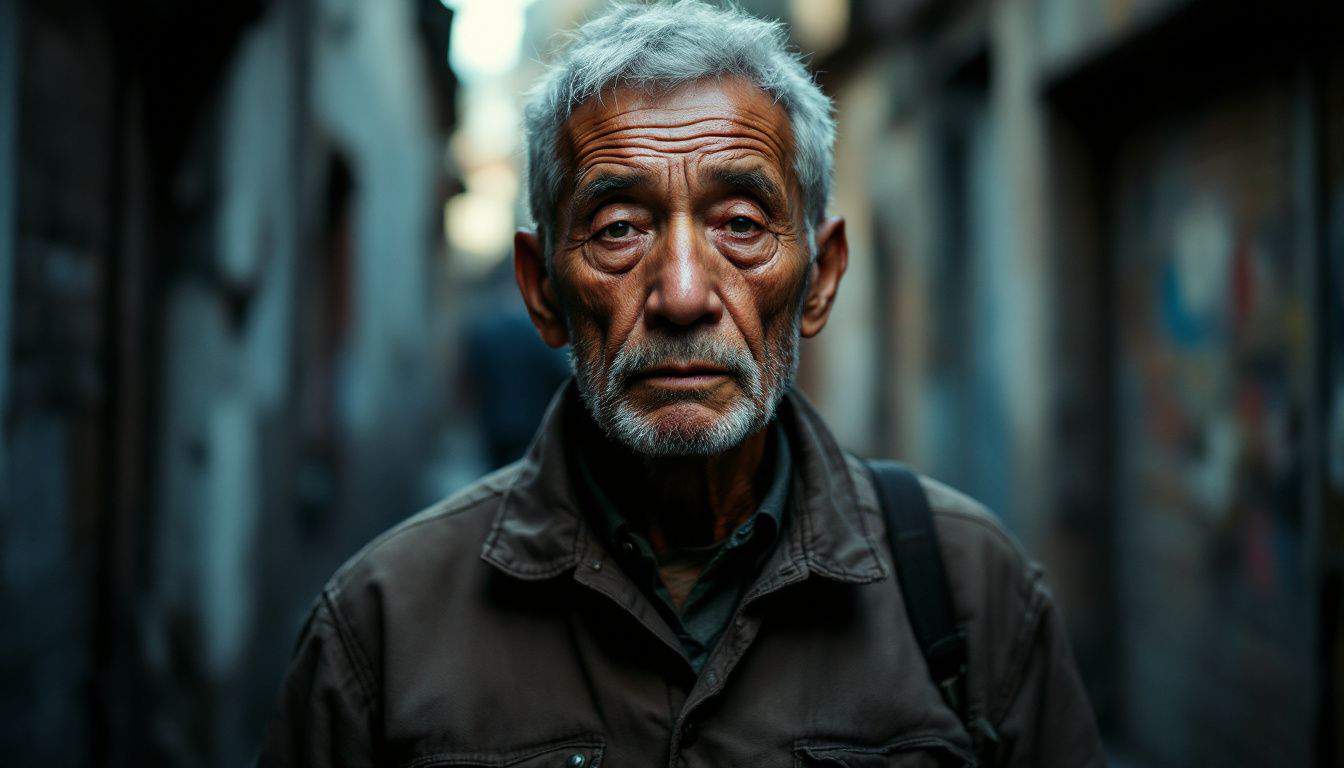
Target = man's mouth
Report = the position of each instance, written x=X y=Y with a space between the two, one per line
x=682 y=375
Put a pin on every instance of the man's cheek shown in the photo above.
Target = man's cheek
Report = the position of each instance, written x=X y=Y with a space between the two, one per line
x=583 y=317
x=768 y=301
x=786 y=297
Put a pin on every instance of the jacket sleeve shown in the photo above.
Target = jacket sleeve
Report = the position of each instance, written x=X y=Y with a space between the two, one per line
x=323 y=716
x=1047 y=719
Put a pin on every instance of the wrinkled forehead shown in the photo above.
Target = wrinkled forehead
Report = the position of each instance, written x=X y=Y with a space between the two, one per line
x=695 y=127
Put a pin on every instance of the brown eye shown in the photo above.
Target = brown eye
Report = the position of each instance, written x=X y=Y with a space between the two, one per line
x=741 y=225
x=616 y=230
x=745 y=241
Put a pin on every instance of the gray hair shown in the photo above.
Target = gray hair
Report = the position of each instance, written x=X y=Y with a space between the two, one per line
x=662 y=45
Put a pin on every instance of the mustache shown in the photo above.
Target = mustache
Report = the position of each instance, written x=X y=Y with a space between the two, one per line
x=630 y=362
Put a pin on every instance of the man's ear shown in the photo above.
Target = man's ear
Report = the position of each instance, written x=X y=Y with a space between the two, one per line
x=829 y=267
x=529 y=268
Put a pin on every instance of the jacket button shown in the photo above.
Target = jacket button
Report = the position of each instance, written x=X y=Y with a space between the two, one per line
x=627 y=548
x=576 y=760
x=596 y=565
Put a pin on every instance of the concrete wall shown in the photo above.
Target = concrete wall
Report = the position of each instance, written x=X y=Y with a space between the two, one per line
x=244 y=539
x=990 y=159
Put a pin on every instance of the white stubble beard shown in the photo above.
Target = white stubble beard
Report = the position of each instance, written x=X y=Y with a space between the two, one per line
x=761 y=392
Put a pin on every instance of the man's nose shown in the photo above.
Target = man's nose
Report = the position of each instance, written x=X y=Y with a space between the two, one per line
x=685 y=289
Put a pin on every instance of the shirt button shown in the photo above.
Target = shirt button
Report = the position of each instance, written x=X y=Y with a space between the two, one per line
x=576 y=760
x=627 y=548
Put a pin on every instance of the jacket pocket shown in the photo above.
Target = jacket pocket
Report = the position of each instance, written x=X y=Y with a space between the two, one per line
x=577 y=752
x=911 y=752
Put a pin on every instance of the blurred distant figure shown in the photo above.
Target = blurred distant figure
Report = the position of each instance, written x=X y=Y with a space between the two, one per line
x=508 y=371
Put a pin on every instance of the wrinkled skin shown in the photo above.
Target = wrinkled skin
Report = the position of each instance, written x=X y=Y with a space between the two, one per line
x=682 y=218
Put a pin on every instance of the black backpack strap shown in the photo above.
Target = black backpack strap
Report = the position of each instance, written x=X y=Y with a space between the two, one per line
x=923 y=579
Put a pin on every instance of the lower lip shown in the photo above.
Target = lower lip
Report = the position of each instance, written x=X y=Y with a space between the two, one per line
x=686 y=381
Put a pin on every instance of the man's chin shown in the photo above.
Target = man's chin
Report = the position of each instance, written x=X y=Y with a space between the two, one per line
x=683 y=427
x=682 y=417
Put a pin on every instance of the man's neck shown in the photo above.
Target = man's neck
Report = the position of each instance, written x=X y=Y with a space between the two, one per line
x=684 y=501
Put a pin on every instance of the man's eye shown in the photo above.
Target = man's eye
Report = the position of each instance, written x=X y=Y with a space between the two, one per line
x=616 y=230
x=741 y=225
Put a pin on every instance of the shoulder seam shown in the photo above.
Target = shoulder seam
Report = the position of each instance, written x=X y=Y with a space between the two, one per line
x=1021 y=653
x=353 y=652
x=1030 y=569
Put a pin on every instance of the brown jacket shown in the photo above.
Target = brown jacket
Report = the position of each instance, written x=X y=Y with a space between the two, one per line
x=493 y=629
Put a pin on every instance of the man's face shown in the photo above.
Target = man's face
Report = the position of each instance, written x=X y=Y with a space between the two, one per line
x=681 y=264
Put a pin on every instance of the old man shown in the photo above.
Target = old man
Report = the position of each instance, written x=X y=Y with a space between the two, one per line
x=685 y=569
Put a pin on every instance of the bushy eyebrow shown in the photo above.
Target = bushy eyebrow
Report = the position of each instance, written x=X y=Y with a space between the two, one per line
x=754 y=183
x=603 y=186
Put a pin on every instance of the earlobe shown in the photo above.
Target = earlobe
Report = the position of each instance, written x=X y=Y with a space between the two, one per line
x=529 y=269
x=830 y=265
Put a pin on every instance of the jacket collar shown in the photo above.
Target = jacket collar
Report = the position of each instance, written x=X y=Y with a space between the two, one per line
x=540 y=531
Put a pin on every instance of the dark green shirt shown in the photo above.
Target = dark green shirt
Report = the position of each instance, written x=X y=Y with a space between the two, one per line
x=728 y=565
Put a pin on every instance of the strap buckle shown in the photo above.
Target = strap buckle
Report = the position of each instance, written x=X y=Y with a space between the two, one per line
x=947 y=665
x=951 y=690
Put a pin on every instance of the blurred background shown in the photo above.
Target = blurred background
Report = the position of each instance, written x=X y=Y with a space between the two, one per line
x=256 y=306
